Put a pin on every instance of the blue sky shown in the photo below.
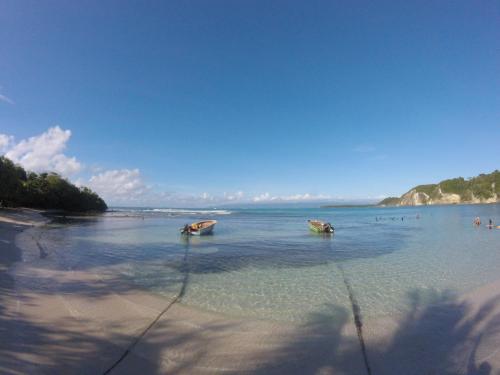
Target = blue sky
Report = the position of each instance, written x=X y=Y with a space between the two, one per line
x=194 y=102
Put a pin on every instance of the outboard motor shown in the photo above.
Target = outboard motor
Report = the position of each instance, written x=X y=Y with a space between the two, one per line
x=186 y=229
x=330 y=227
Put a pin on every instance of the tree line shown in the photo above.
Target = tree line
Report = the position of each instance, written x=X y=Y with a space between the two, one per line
x=44 y=190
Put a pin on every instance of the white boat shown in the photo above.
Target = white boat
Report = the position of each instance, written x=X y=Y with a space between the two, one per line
x=199 y=228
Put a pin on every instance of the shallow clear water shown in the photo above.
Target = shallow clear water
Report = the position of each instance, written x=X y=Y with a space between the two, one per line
x=265 y=263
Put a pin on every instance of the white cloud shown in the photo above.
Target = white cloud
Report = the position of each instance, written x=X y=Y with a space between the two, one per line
x=266 y=197
x=121 y=186
x=6 y=99
x=233 y=197
x=43 y=152
x=127 y=187
x=5 y=142
x=206 y=197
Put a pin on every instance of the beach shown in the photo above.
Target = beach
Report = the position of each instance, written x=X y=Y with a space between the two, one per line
x=199 y=188
x=85 y=320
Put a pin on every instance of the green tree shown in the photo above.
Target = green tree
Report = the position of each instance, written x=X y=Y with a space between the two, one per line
x=11 y=182
x=44 y=190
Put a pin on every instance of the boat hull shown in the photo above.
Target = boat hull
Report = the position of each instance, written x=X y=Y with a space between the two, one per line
x=314 y=229
x=200 y=228
x=319 y=227
x=204 y=231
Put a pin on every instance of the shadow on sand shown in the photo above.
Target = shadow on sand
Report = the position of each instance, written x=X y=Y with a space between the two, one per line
x=445 y=336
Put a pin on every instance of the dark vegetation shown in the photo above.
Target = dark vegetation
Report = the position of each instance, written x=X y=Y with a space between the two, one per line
x=429 y=189
x=45 y=190
x=484 y=186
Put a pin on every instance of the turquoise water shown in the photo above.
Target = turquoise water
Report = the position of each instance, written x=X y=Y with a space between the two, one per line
x=264 y=263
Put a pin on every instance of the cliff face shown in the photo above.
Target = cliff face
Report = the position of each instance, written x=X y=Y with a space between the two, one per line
x=484 y=188
x=415 y=198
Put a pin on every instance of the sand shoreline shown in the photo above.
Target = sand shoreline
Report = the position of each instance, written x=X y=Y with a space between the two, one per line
x=54 y=321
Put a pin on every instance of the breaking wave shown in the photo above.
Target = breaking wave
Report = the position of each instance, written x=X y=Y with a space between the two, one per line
x=180 y=211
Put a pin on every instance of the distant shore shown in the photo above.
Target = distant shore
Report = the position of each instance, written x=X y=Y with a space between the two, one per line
x=436 y=204
x=348 y=206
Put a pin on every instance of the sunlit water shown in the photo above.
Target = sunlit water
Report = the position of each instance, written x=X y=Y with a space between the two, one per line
x=266 y=264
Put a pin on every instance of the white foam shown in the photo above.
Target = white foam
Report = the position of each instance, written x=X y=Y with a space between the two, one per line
x=181 y=211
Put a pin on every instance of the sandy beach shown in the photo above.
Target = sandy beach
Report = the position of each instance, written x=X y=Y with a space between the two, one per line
x=84 y=322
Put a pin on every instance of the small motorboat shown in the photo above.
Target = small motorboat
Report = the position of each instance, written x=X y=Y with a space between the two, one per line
x=320 y=227
x=199 y=228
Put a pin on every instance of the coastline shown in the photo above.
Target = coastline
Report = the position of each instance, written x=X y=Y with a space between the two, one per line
x=438 y=204
x=60 y=321
x=22 y=216
x=13 y=222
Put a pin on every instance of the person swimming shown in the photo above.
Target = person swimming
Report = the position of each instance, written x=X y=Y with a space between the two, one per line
x=477 y=221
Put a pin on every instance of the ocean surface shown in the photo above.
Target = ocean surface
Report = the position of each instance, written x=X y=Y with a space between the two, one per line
x=266 y=264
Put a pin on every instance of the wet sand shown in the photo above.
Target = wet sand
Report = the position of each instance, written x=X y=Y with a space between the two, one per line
x=82 y=322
